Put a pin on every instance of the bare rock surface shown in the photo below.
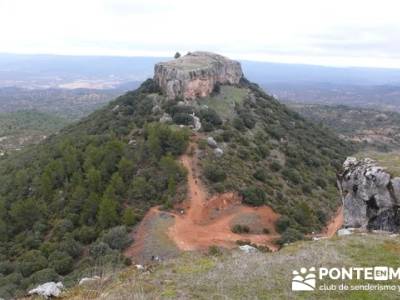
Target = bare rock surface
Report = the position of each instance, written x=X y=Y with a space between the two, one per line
x=196 y=74
x=48 y=290
x=371 y=196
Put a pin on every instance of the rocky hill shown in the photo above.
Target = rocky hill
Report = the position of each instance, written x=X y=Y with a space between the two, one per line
x=128 y=179
x=196 y=74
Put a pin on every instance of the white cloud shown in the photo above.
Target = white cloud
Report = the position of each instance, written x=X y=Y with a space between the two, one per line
x=341 y=32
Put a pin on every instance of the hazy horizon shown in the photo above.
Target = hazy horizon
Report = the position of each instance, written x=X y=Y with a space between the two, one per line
x=341 y=33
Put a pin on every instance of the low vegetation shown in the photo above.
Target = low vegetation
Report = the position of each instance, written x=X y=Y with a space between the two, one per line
x=236 y=275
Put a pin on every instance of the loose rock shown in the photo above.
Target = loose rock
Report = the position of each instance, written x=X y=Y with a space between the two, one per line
x=48 y=289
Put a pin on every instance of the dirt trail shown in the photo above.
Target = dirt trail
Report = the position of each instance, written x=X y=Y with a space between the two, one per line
x=202 y=221
x=208 y=220
x=335 y=224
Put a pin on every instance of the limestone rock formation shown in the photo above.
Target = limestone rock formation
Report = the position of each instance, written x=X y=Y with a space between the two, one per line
x=196 y=74
x=48 y=290
x=371 y=196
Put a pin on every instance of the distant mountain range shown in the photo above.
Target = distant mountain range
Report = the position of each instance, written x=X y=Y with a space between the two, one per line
x=69 y=71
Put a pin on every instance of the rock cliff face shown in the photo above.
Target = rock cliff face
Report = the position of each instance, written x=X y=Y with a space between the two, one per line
x=196 y=74
x=371 y=197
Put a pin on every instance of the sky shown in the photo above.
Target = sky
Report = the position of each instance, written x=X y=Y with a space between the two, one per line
x=335 y=33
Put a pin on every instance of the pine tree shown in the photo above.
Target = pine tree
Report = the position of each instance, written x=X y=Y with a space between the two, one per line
x=107 y=215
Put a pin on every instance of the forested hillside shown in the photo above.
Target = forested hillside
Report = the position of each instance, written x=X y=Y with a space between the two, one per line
x=67 y=204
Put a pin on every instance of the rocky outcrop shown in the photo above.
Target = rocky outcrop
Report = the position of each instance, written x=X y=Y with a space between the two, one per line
x=48 y=290
x=371 y=196
x=196 y=74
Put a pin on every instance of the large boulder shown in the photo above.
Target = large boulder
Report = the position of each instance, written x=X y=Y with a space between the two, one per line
x=196 y=74
x=48 y=290
x=371 y=196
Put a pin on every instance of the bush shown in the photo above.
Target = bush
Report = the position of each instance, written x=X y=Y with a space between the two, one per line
x=183 y=119
x=6 y=267
x=86 y=234
x=31 y=262
x=260 y=175
x=72 y=247
x=238 y=124
x=248 y=119
x=214 y=251
x=129 y=217
x=99 y=249
x=321 y=182
x=290 y=235
x=282 y=224
x=214 y=173
x=240 y=229
x=61 y=262
x=266 y=231
x=45 y=275
x=275 y=166
x=210 y=116
x=253 y=196
x=292 y=175
x=117 y=238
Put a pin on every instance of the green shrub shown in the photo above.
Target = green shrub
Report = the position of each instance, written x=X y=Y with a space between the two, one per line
x=321 y=182
x=275 y=166
x=253 y=196
x=237 y=228
x=129 y=217
x=31 y=262
x=99 y=249
x=282 y=224
x=45 y=275
x=61 y=262
x=292 y=175
x=6 y=267
x=214 y=251
x=210 y=116
x=72 y=247
x=214 y=173
x=117 y=238
x=183 y=119
x=238 y=124
x=86 y=234
x=290 y=235
x=260 y=175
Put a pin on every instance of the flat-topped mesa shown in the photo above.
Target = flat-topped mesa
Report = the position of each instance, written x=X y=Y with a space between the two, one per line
x=196 y=74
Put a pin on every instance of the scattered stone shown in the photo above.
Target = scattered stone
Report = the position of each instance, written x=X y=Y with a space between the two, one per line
x=89 y=280
x=197 y=123
x=370 y=196
x=139 y=267
x=115 y=108
x=48 y=289
x=248 y=249
x=165 y=118
x=156 y=109
x=218 y=152
x=196 y=74
x=318 y=238
x=211 y=142
x=343 y=231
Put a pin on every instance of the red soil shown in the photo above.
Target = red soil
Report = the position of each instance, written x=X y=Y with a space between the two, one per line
x=141 y=234
x=335 y=224
x=202 y=221
x=207 y=220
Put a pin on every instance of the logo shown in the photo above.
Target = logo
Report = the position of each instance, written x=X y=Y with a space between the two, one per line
x=304 y=280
